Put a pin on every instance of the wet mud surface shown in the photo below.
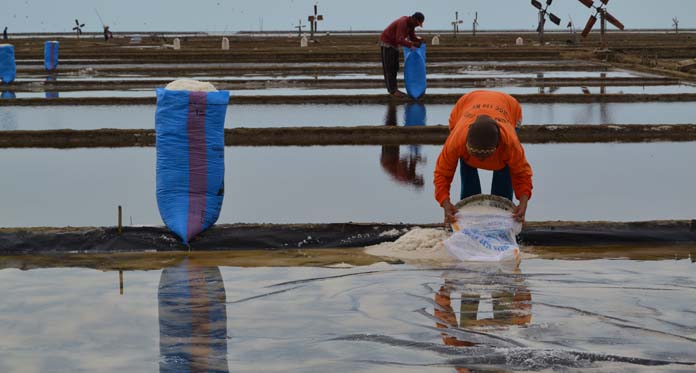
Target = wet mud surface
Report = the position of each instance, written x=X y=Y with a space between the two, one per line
x=365 y=135
x=278 y=236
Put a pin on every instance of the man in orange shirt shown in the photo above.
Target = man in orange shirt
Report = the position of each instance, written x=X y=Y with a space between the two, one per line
x=483 y=135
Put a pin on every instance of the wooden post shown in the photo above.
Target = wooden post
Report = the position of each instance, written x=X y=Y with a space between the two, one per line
x=120 y=225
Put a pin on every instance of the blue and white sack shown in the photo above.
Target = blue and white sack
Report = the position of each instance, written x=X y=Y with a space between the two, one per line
x=485 y=231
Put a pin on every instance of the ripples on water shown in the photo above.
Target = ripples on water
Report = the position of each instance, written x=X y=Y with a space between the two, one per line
x=598 y=314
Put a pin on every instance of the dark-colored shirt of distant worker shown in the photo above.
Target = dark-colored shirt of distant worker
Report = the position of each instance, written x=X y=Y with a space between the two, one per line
x=4 y=33
x=400 y=33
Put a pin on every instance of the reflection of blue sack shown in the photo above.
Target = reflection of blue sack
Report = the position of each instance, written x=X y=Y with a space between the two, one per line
x=51 y=55
x=192 y=319
x=190 y=132
x=8 y=67
x=414 y=72
x=50 y=93
x=414 y=114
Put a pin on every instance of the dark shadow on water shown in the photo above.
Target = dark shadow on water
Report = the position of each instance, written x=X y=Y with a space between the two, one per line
x=403 y=168
x=192 y=319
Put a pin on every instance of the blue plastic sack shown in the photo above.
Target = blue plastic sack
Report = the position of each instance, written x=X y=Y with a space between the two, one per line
x=190 y=135
x=414 y=72
x=51 y=55
x=8 y=67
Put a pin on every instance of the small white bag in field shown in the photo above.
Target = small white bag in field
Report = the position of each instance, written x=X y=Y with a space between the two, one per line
x=485 y=231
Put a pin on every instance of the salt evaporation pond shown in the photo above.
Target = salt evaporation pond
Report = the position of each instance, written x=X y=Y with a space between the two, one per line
x=598 y=315
x=391 y=184
x=254 y=116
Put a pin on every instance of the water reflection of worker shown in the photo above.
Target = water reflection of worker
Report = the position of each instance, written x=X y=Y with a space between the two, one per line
x=402 y=169
x=483 y=135
x=192 y=319
x=400 y=33
x=512 y=305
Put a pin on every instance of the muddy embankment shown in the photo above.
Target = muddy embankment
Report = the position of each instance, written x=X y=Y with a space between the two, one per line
x=337 y=235
x=308 y=83
x=449 y=99
x=360 y=135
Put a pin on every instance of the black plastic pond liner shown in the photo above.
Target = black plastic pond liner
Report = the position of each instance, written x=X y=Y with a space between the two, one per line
x=338 y=235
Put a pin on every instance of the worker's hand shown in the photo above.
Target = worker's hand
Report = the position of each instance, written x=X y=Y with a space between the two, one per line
x=450 y=211
x=417 y=43
x=520 y=210
x=413 y=48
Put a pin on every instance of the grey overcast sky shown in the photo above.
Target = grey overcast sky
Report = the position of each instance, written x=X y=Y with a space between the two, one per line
x=254 y=15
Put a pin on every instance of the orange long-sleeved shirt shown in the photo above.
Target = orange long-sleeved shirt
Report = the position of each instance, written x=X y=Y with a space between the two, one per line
x=505 y=110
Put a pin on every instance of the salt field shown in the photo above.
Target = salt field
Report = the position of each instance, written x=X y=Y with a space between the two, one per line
x=338 y=184
x=329 y=251
x=258 y=116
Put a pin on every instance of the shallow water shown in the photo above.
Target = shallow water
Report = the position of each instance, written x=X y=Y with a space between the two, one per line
x=83 y=187
x=254 y=116
x=550 y=315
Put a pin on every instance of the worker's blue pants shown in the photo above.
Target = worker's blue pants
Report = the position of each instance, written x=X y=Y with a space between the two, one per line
x=471 y=185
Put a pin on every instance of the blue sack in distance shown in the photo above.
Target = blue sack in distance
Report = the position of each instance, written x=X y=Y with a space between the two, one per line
x=414 y=72
x=190 y=135
x=51 y=55
x=8 y=67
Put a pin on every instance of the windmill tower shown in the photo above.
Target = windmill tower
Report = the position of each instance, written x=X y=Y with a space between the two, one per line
x=604 y=17
x=474 y=24
x=455 y=24
x=675 y=23
x=313 y=20
x=543 y=12
x=299 y=27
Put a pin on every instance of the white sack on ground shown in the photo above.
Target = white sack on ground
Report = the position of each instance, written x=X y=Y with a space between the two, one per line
x=486 y=231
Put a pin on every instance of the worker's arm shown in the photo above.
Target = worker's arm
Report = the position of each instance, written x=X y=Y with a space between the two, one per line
x=521 y=175
x=445 y=168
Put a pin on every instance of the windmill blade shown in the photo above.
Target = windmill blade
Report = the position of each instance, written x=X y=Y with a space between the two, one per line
x=605 y=2
x=82 y=25
x=537 y=4
x=76 y=22
x=587 y=3
x=548 y=2
x=588 y=26
x=555 y=19
x=611 y=19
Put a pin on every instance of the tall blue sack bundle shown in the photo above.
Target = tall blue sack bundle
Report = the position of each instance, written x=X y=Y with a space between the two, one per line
x=190 y=135
x=51 y=55
x=414 y=72
x=8 y=67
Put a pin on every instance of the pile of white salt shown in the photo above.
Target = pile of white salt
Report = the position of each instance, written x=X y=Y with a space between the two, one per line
x=190 y=85
x=418 y=244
